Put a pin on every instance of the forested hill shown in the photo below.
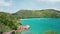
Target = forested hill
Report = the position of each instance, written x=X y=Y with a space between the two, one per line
x=48 y=13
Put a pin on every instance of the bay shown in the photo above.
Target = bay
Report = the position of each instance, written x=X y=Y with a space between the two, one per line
x=40 y=25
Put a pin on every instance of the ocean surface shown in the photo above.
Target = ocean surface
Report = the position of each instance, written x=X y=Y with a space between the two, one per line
x=41 y=25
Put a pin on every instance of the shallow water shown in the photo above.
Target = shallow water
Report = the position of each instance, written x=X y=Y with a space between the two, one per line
x=40 y=25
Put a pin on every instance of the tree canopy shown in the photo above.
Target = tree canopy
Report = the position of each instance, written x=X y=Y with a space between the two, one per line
x=8 y=22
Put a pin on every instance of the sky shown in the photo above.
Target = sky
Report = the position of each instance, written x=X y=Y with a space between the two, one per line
x=12 y=6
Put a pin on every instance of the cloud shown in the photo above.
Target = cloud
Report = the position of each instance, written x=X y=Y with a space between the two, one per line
x=4 y=3
x=53 y=1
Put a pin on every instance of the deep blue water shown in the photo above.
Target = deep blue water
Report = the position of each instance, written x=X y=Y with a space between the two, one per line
x=40 y=25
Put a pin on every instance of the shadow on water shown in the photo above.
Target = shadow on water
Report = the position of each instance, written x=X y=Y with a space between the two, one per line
x=45 y=32
x=50 y=32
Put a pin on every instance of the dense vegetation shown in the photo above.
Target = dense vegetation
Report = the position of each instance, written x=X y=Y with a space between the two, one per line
x=48 y=13
x=8 y=22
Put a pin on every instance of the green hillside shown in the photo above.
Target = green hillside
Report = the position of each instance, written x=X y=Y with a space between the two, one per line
x=47 y=13
x=8 y=22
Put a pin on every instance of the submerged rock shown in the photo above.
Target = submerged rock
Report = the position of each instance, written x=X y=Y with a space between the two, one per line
x=23 y=28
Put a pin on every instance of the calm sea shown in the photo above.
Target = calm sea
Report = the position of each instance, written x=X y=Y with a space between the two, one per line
x=41 y=25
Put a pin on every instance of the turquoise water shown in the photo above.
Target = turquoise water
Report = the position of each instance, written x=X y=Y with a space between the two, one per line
x=40 y=25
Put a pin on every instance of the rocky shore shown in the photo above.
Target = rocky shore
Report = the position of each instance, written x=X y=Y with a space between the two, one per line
x=19 y=29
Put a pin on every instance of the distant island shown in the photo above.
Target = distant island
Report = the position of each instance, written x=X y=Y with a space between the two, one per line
x=47 y=13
